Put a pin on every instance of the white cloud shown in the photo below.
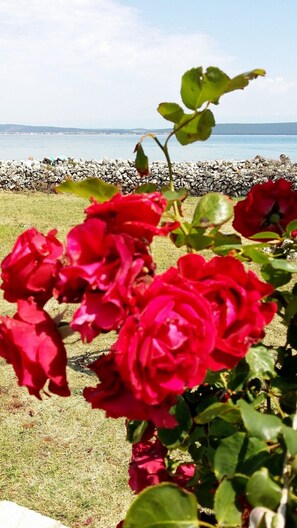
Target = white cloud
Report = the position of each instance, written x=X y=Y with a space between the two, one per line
x=266 y=99
x=91 y=62
x=97 y=63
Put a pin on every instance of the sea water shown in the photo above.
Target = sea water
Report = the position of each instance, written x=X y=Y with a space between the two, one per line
x=121 y=146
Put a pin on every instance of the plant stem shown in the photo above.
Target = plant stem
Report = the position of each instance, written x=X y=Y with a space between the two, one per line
x=164 y=149
x=276 y=403
x=281 y=512
x=206 y=524
x=166 y=154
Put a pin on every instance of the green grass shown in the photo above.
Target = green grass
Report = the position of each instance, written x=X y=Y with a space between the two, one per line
x=57 y=456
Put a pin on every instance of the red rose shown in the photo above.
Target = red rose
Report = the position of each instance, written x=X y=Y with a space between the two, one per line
x=164 y=349
x=104 y=271
x=268 y=206
x=31 y=267
x=117 y=400
x=235 y=296
x=183 y=474
x=147 y=467
x=136 y=215
x=31 y=342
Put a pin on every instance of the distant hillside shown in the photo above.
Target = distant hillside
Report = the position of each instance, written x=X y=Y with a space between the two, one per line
x=265 y=129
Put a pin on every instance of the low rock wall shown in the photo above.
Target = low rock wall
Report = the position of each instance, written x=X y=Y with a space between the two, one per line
x=234 y=178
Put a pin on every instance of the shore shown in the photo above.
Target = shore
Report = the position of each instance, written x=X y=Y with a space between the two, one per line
x=234 y=178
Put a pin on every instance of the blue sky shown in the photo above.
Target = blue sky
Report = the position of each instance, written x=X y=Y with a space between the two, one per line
x=109 y=63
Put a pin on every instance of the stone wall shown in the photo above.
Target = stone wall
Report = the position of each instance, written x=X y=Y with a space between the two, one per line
x=234 y=178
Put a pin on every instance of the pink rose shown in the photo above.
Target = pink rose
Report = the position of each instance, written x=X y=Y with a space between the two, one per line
x=235 y=296
x=164 y=349
x=268 y=206
x=31 y=342
x=104 y=272
x=31 y=267
x=117 y=400
x=137 y=215
x=147 y=467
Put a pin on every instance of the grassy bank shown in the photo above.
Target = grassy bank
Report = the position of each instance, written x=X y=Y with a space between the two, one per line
x=57 y=456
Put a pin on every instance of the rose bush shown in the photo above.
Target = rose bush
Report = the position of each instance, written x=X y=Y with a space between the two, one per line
x=187 y=369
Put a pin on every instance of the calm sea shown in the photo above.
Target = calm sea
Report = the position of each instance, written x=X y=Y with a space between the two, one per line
x=87 y=147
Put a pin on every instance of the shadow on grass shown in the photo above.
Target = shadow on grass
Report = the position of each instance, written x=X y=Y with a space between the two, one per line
x=81 y=363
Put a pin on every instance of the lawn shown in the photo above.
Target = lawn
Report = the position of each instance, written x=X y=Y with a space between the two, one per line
x=58 y=456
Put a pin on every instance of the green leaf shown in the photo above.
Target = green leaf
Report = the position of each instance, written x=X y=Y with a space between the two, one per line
x=226 y=510
x=291 y=309
x=141 y=161
x=275 y=277
x=256 y=255
x=215 y=83
x=146 y=188
x=198 y=87
x=292 y=226
x=191 y=87
x=259 y=425
x=90 y=187
x=290 y=436
x=265 y=234
x=261 y=362
x=135 y=430
x=163 y=506
x=220 y=429
x=174 y=437
x=198 y=241
x=223 y=239
x=171 y=111
x=194 y=127
x=226 y=411
x=238 y=454
x=174 y=196
x=261 y=490
x=284 y=265
x=241 y=81
x=178 y=237
x=212 y=209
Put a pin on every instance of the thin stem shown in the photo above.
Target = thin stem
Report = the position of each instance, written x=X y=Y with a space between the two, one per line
x=166 y=154
x=277 y=405
x=281 y=512
x=224 y=380
x=171 y=182
x=206 y=524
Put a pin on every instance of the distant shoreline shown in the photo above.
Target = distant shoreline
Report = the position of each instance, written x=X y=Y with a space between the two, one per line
x=132 y=134
x=257 y=129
